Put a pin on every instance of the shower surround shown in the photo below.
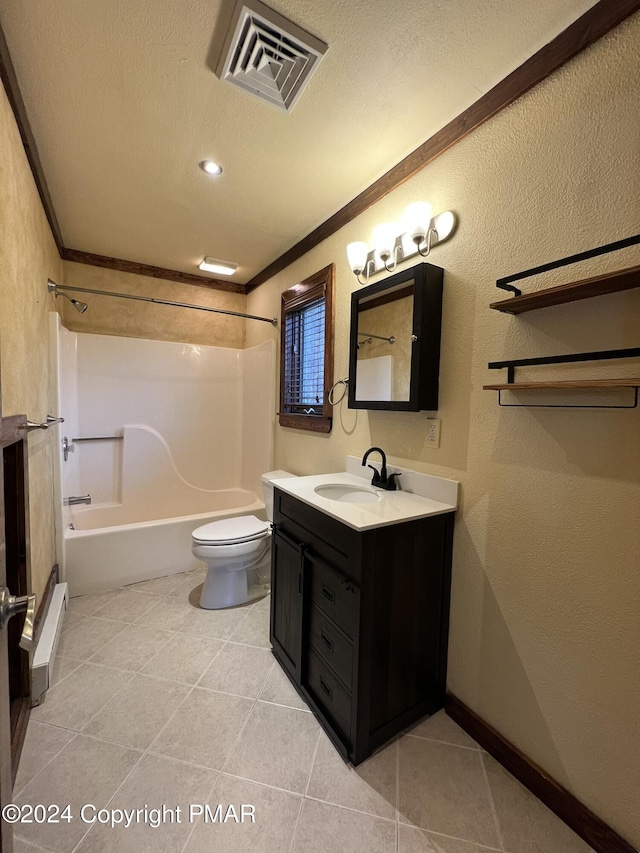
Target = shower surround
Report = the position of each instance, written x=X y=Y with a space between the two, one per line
x=190 y=431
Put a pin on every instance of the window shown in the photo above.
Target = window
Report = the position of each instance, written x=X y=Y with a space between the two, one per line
x=306 y=362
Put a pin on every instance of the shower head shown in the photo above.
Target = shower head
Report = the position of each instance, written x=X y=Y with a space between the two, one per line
x=80 y=307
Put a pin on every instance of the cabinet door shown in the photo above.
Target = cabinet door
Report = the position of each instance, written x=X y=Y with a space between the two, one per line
x=286 y=601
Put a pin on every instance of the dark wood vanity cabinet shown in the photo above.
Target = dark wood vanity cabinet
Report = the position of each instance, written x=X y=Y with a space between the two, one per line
x=359 y=620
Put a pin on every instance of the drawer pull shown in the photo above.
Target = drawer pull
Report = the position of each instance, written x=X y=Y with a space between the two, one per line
x=328 y=642
x=325 y=688
x=348 y=586
x=329 y=594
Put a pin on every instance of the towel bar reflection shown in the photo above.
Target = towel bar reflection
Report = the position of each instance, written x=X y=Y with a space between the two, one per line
x=100 y=438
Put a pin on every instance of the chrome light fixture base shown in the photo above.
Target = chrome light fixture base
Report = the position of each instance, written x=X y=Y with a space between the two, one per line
x=440 y=229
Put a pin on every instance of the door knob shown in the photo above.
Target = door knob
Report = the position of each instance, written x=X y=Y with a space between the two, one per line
x=10 y=605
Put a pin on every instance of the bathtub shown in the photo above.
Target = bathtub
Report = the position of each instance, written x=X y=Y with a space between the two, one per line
x=147 y=534
x=100 y=555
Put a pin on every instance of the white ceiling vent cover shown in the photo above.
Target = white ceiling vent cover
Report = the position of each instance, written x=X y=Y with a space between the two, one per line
x=268 y=55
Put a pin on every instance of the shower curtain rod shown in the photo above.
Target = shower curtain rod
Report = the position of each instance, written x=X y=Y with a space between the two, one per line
x=54 y=288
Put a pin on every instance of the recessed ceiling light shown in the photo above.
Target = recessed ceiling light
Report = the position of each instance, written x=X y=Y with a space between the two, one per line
x=210 y=167
x=219 y=267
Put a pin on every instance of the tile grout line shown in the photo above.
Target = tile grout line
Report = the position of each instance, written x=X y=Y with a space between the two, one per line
x=211 y=663
x=33 y=778
x=60 y=680
x=261 y=784
x=199 y=821
x=238 y=736
x=108 y=622
x=481 y=847
x=306 y=790
x=177 y=681
x=137 y=764
x=445 y=742
x=101 y=708
x=171 y=716
x=295 y=826
x=131 y=625
x=109 y=701
x=494 y=811
x=93 y=825
x=346 y=808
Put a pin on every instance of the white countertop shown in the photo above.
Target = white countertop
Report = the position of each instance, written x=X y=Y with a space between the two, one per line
x=391 y=508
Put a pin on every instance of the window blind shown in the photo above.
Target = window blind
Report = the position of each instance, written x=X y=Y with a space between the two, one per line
x=304 y=339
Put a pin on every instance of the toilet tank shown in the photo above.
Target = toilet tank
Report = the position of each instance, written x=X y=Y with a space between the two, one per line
x=267 y=489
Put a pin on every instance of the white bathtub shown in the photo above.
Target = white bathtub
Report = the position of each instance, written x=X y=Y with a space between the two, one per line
x=148 y=533
x=103 y=551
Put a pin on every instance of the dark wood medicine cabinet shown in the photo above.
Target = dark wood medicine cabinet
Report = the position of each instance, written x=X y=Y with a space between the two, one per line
x=394 y=347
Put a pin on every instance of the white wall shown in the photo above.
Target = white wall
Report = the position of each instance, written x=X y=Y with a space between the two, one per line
x=258 y=407
x=212 y=405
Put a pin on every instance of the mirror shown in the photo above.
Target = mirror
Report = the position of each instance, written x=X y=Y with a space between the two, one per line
x=395 y=341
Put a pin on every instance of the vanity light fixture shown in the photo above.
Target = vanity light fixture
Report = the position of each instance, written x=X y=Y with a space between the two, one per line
x=417 y=234
x=211 y=168
x=218 y=267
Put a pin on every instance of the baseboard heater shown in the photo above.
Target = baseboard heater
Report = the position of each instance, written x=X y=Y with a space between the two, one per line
x=45 y=653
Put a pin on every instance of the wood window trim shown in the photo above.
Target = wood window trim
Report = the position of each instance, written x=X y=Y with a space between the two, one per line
x=320 y=283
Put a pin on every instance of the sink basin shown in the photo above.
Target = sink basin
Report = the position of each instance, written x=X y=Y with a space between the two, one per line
x=346 y=493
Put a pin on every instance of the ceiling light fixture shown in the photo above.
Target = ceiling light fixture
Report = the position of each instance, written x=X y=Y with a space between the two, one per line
x=216 y=266
x=416 y=235
x=211 y=168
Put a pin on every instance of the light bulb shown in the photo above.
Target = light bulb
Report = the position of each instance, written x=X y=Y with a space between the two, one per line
x=211 y=168
x=384 y=239
x=357 y=255
x=417 y=217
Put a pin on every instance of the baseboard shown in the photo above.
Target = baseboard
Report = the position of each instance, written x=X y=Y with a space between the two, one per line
x=45 y=651
x=599 y=835
x=45 y=602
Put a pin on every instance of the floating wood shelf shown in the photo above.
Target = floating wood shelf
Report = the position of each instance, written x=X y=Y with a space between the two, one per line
x=613 y=282
x=572 y=383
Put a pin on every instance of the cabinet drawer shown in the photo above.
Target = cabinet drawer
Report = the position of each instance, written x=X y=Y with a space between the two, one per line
x=329 y=693
x=332 y=645
x=335 y=595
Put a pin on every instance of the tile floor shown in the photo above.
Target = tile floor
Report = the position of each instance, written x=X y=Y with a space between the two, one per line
x=156 y=702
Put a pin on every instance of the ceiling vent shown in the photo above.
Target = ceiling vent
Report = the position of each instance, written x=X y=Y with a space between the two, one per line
x=268 y=55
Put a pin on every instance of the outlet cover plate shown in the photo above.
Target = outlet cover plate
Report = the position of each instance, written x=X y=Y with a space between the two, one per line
x=433 y=432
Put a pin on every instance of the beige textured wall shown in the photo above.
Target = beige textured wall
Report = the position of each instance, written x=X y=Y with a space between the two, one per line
x=108 y=315
x=28 y=256
x=545 y=625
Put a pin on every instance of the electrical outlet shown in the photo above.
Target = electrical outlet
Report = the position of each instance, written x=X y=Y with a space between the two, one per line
x=433 y=432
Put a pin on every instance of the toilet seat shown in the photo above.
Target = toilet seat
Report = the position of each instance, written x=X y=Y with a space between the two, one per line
x=231 y=531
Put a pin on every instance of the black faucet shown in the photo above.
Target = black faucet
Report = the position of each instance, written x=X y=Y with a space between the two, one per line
x=380 y=479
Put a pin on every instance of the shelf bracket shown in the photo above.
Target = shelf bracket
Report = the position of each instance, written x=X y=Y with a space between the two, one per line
x=505 y=283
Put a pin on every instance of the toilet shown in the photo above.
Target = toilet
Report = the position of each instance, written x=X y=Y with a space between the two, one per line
x=237 y=552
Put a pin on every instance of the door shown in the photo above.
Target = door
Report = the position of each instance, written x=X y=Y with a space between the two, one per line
x=14 y=570
x=287 y=562
x=6 y=787
x=9 y=606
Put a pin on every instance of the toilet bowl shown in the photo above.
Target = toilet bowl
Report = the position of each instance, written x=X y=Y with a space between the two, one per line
x=237 y=552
